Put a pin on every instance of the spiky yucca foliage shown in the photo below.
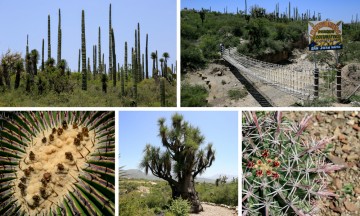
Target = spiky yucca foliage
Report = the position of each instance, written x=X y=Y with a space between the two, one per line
x=284 y=171
x=40 y=175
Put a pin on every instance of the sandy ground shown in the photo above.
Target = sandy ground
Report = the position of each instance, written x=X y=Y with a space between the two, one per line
x=220 y=80
x=210 y=210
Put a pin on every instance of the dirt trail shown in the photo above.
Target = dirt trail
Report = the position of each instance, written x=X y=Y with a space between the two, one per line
x=210 y=210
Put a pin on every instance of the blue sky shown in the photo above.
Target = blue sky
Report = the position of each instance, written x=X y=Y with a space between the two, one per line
x=333 y=9
x=137 y=128
x=22 y=17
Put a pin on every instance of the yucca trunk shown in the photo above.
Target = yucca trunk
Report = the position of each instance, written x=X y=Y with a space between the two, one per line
x=5 y=70
x=83 y=52
x=157 y=63
x=162 y=92
x=186 y=190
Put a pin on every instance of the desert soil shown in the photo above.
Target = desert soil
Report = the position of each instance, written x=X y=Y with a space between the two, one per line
x=210 y=210
x=221 y=81
x=344 y=127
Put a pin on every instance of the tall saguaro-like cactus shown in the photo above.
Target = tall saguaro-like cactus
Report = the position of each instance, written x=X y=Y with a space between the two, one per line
x=126 y=62
x=59 y=40
x=110 y=46
x=113 y=57
x=83 y=52
x=147 y=58
x=99 y=44
x=134 y=70
x=49 y=38
x=140 y=74
x=79 y=59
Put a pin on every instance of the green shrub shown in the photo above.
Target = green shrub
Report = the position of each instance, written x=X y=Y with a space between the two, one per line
x=193 y=95
x=236 y=94
x=180 y=207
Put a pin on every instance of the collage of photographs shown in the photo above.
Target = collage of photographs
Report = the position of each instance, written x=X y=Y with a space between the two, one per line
x=159 y=108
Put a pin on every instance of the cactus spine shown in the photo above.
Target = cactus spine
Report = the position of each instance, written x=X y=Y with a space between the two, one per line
x=59 y=40
x=83 y=52
x=147 y=58
x=49 y=38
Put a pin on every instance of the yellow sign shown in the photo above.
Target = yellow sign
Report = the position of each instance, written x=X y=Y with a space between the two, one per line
x=325 y=35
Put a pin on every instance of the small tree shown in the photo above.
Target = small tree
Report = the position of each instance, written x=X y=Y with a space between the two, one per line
x=182 y=159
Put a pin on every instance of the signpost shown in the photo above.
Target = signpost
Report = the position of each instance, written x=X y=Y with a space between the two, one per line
x=325 y=35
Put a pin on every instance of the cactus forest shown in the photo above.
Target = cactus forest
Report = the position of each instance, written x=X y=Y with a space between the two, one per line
x=37 y=79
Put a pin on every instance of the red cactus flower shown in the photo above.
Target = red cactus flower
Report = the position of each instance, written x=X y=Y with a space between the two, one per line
x=276 y=164
x=269 y=161
x=265 y=153
x=275 y=175
x=268 y=172
x=258 y=162
x=259 y=173
x=250 y=164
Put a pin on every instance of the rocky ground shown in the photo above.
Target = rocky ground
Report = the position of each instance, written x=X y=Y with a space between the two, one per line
x=218 y=80
x=344 y=127
x=212 y=210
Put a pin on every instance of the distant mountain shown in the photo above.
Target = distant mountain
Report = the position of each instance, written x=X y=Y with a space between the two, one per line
x=138 y=174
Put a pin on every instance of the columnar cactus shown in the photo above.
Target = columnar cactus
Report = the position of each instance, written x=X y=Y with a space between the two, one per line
x=147 y=58
x=134 y=70
x=59 y=40
x=110 y=46
x=99 y=44
x=49 y=38
x=79 y=59
x=126 y=62
x=138 y=55
x=284 y=172
x=113 y=57
x=83 y=52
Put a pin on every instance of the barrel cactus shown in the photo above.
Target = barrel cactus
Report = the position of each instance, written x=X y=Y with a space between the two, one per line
x=284 y=171
x=57 y=163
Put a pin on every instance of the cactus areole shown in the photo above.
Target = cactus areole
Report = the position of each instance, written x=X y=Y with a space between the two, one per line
x=182 y=160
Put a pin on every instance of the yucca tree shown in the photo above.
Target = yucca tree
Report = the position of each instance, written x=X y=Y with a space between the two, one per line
x=153 y=57
x=19 y=67
x=83 y=52
x=82 y=176
x=181 y=161
x=166 y=56
x=161 y=60
x=34 y=58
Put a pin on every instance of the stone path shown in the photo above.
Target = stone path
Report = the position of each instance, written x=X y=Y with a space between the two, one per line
x=210 y=210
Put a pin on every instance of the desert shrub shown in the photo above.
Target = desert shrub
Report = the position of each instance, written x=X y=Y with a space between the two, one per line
x=192 y=58
x=193 y=95
x=132 y=205
x=236 y=94
x=180 y=207
x=156 y=199
x=209 y=46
